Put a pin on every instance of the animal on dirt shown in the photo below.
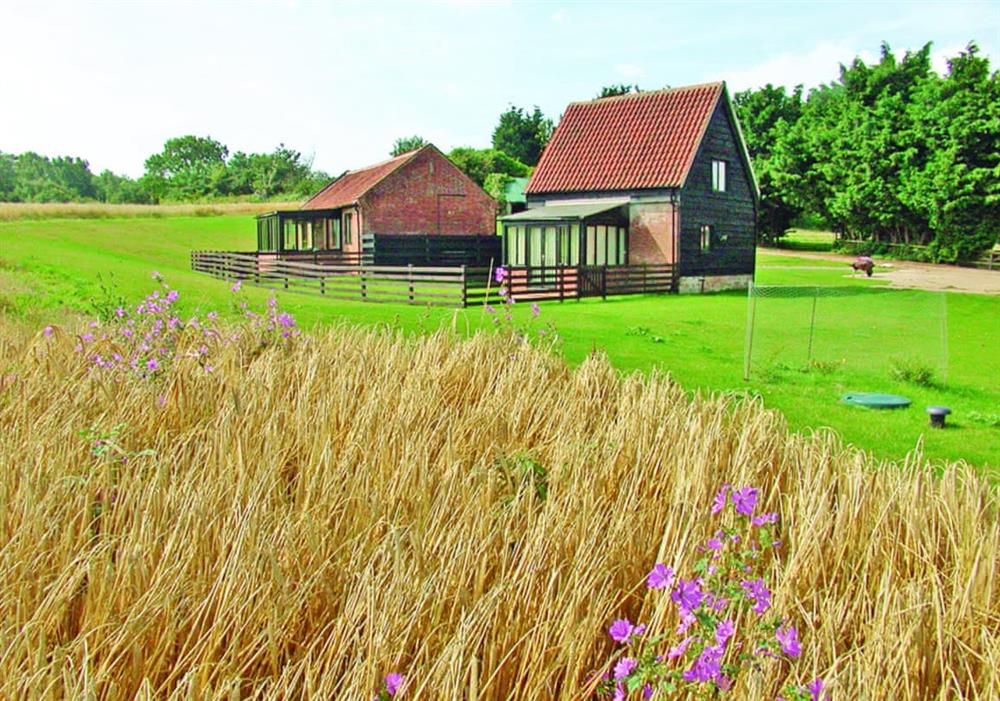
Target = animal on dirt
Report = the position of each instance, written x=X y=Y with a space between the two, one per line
x=864 y=263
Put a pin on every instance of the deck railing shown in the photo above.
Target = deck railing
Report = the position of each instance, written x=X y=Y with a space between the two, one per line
x=452 y=286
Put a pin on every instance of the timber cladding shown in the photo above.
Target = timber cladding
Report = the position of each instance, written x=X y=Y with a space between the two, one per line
x=731 y=214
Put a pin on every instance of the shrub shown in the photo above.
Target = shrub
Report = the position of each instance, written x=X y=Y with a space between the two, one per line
x=912 y=371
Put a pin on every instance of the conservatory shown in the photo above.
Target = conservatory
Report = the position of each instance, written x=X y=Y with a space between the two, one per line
x=567 y=235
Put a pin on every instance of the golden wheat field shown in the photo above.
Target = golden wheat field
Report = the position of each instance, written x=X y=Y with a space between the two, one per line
x=309 y=517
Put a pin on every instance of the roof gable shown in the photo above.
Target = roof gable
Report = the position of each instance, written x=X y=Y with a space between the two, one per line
x=349 y=187
x=636 y=141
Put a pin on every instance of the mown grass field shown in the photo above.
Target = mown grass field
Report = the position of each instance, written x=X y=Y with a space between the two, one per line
x=50 y=265
x=469 y=513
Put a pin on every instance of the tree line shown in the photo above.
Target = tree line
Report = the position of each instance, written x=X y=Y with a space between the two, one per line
x=189 y=168
x=890 y=153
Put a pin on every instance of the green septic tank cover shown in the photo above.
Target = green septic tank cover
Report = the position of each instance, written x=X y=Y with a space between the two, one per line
x=876 y=401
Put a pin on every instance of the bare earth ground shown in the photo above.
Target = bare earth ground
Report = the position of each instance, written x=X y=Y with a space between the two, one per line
x=921 y=276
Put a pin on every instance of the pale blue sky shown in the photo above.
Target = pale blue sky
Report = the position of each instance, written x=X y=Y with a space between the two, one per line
x=111 y=81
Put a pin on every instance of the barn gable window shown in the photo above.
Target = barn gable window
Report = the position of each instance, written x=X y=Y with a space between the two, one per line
x=706 y=238
x=718 y=176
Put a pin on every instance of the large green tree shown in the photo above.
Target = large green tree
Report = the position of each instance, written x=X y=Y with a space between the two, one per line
x=766 y=115
x=522 y=134
x=188 y=167
x=479 y=163
x=405 y=144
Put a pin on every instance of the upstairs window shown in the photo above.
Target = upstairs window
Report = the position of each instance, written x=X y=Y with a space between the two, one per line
x=719 y=176
x=706 y=238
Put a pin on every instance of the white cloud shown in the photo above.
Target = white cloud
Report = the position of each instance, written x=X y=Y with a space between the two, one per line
x=560 y=16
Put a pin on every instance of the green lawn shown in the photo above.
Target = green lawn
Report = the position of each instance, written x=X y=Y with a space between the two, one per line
x=46 y=266
x=807 y=240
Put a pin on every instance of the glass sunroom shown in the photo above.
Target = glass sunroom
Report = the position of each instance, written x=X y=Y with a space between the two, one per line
x=300 y=230
x=566 y=235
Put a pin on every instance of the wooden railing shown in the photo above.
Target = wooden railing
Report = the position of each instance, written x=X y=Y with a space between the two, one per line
x=452 y=286
x=573 y=282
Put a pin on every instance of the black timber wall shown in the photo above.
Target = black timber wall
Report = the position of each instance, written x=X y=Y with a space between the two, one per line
x=730 y=213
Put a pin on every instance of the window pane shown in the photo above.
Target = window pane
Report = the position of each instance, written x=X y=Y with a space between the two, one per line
x=563 y=245
x=574 y=244
x=535 y=246
x=551 y=243
x=612 y=245
x=601 y=247
x=591 y=244
x=622 y=248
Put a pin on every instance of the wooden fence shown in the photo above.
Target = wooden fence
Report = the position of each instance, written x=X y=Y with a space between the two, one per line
x=452 y=286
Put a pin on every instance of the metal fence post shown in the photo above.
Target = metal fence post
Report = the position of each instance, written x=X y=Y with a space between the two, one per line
x=409 y=280
x=464 y=287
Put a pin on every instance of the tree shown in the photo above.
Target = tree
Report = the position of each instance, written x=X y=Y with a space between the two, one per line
x=479 y=163
x=268 y=174
x=405 y=144
x=119 y=189
x=8 y=177
x=522 y=135
x=189 y=167
x=620 y=89
x=765 y=115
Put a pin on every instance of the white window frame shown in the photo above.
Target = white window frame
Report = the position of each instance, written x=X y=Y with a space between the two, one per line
x=718 y=176
x=706 y=238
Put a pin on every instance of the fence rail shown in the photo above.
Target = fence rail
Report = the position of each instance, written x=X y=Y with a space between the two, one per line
x=443 y=285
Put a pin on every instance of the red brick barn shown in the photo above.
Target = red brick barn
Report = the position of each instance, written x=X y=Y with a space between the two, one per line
x=420 y=193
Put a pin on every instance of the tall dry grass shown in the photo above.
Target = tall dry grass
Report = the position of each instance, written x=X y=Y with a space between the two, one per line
x=311 y=518
x=10 y=211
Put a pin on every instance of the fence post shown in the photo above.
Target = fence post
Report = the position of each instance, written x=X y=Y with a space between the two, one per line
x=604 y=282
x=464 y=287
x=561 y=272
x=645 y=278
x=409 y=280
x=364 y=292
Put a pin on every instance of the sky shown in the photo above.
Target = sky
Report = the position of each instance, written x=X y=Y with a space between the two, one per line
x=339 y=82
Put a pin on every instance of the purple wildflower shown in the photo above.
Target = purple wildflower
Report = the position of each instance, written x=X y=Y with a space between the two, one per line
x=535 y=309
x=87 y=337
x=724 y=631
x=619 y=693
x=286 y=320
x=212 y=316
x=152 y=364
x=762 y=519
x=622 y=629
x=155 y=275
x=393 y=683
x=707 y=667
x=173 y=295
x=719 y=503
x=647 y=691
x=660 y=577
x=625 y=667
x=815 y=688
x=236 y=286
x=500 y=274
x=757 y=592
x=745 y=500
x=714 y=544
x=788 y=639
x=47 y=331
x=687 y=594
x=680 y=648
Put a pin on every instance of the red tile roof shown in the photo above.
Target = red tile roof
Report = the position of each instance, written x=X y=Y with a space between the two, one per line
x=641 y=140
x=346 y=189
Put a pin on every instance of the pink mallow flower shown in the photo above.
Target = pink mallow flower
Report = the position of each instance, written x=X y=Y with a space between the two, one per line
x=236 y=286
x=660 y=577
x=788 y=639
x=745 y=500
x=719 y=503
x=687 y=595
x=763 y=519
x=622 y=630
x=625 y=667
x=394 y=683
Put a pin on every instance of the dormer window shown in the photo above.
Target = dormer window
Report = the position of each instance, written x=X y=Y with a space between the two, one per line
x=718 y=176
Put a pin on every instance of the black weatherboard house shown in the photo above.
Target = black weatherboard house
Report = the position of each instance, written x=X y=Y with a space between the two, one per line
x=660 y=177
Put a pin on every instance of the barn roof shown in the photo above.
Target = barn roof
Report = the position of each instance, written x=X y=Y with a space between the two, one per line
x=346 y=189
x=634 y=141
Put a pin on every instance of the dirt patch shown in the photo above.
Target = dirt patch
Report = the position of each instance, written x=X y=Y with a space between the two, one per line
x=917 y=276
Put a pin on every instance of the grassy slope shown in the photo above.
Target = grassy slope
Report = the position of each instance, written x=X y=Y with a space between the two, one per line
x=702 y=336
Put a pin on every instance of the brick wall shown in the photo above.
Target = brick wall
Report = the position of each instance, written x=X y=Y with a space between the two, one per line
x=651 y=233
x=428 y=195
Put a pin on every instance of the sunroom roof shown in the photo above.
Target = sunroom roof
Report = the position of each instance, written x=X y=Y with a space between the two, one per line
x=562 y=211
